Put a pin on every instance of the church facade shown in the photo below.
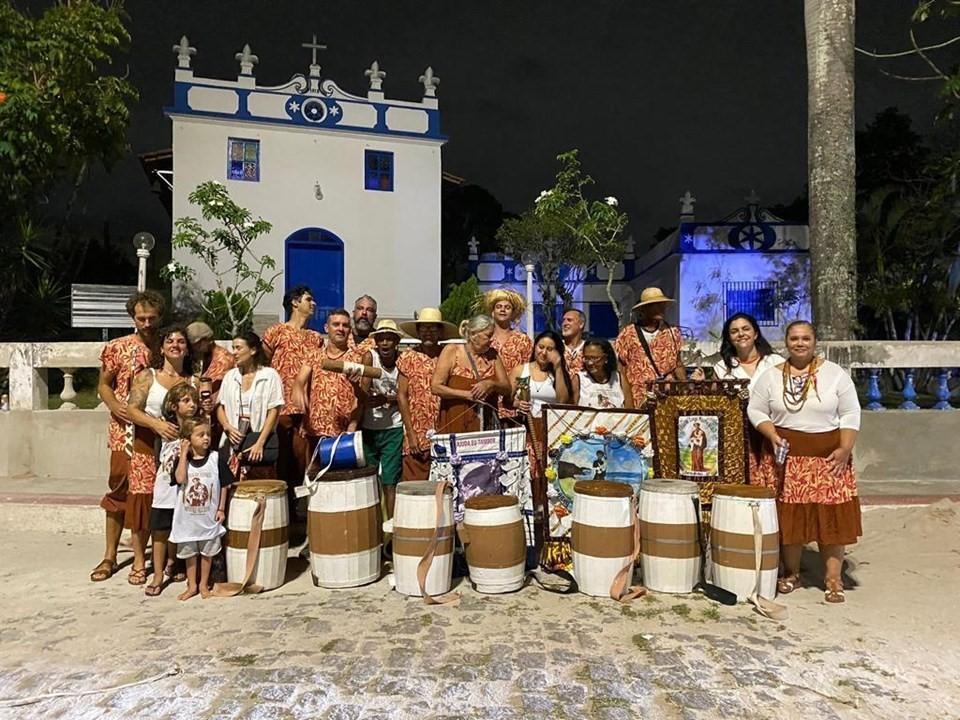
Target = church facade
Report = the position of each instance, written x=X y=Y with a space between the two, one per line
x=350 y=183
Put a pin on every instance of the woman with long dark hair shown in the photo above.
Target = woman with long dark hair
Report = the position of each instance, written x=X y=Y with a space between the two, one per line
x=744 y=351
x=600 y=384
x=544 y=379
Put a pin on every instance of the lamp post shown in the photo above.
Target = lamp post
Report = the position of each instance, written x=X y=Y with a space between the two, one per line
x=143 y=242
x=529 y=261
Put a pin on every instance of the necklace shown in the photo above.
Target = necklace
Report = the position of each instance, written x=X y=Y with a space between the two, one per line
x=335 y=357
x=796 y=388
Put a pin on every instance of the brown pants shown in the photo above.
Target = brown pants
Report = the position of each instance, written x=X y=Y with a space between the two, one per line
x=115 y=500
x=416 y=467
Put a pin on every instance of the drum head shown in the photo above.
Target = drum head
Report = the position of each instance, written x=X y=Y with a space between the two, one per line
x=489 y=502
x=347 y=474
x=420 y=487
x=252 y=488
x=669 y=485
x=603 y=488
x=746 y=491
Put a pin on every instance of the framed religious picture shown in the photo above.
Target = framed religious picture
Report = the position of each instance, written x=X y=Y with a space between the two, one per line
x=589 y=444
x=701 y=432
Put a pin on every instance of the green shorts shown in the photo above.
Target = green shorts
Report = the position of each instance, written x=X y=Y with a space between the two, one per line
x=383 y=448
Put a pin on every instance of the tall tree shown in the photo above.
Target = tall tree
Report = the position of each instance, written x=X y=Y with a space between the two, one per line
x=831 y=160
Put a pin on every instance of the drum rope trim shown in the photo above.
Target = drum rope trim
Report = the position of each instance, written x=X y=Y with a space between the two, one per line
x=767 y=608
x=620 y=588
x=309 y=485
x=229 y=589
x=423 y=567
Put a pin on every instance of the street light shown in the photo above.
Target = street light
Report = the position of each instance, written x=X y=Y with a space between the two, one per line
x=529 y=260
x=143 y=242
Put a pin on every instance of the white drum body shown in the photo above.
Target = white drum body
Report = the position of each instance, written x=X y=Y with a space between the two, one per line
x=344 y=528
x=271 y=565
x=601 y=539
x=493 y=535
x=732 y=550
x=414 y=524
x=669 y=546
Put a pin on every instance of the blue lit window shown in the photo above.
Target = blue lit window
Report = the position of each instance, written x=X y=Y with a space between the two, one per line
x=378 y=170
x=243 y=159
x=754 y=298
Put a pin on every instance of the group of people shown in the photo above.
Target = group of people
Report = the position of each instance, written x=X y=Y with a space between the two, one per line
x=174 y=394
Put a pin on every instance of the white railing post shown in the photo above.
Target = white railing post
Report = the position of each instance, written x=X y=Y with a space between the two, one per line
x=69 y=393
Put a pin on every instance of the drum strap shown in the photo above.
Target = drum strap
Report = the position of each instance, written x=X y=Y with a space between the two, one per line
x=230 y=589
x=767 y=608
x=620 y=588
x=423 y=567
x=308 y=482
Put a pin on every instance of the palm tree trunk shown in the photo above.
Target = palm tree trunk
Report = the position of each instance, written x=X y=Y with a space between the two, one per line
x=831 y=165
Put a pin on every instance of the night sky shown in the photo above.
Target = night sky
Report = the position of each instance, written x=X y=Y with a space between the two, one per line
x=660 y=97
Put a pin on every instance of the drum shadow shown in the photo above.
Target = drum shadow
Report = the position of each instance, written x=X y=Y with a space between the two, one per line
x=296 y=566
x=812 y=570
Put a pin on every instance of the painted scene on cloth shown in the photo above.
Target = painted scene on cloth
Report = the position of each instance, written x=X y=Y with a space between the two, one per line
x=698 y=445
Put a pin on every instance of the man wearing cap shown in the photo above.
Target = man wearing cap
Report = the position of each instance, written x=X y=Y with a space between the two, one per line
x=571 y=329
x=364 y=319
x=209 y=359
x=649 y=349
x=382 y=423
x=419 y=407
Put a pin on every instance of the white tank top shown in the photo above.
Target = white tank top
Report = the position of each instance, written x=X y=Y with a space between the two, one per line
x=600 y=395
x=541 y=392
x=155 y=398
x=195 y=514
x=383 y=417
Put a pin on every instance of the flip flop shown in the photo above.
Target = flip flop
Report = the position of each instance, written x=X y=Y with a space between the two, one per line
x=137 y=577
x=152 y=590
x=104 y=571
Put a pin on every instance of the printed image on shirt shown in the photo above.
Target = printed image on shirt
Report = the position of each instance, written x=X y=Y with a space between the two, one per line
x=196 y=498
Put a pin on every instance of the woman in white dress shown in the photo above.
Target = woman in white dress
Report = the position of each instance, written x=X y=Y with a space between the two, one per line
x=600 y=385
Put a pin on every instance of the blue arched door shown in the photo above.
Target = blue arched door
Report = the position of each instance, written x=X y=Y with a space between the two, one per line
x=314 y=257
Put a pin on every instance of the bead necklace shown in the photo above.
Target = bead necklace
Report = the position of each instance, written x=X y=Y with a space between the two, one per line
x=797 y=388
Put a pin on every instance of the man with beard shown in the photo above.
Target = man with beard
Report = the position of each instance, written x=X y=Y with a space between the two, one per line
x=649 y=349
x=364 y=318
x=419 y=407
x=120 y=361
x=571 y=328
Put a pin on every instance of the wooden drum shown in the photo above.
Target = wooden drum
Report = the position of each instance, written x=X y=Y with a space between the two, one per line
x=601 y=540
x=415 y=522
x=493 y=536
x=669 y=547
x=344 y=528
x=732 y=539
x=271 y=563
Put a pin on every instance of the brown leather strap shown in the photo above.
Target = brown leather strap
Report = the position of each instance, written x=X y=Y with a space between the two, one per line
x=230 y=589
x=423 y=567
x=620 y=588
x=767 y=608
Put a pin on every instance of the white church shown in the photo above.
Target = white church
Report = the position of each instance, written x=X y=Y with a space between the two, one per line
x=351 y=184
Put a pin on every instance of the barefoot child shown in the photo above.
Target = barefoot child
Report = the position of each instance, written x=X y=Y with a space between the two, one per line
x=204 y=479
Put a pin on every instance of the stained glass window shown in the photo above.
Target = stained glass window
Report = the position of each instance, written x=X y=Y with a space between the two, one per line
x=378 y=173
x=243 y=159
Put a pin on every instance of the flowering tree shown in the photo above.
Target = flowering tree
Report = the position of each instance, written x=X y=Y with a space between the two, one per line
x=240 y=276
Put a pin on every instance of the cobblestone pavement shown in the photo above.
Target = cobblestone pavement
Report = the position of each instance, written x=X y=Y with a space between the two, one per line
x=303 y=652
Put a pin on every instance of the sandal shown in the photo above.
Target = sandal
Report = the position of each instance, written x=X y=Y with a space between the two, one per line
x=834 y=591
x=104 y=571
x=787 y=584
x=174 y=576
x=137 y=577
x=152 y=590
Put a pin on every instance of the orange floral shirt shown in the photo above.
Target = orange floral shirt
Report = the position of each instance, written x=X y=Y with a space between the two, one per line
x=515 y=350
x=665 y=349
x=418 y=369
x=124 y=358
x=331 y=399
x=574 y=360
x=367 y=345
x=221 y=362
x=290 y=347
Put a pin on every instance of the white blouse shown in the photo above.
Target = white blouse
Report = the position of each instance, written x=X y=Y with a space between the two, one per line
x=833 y=405
x=266 y=393
x=722 y=372
x=600 y=395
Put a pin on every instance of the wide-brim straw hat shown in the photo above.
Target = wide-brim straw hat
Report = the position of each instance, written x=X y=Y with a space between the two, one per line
x=385 y=326
x=430 y=315
x=652 y=295
x=492 y=297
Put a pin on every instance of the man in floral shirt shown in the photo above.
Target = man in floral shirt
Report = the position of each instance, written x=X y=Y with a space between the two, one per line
x=120 y=361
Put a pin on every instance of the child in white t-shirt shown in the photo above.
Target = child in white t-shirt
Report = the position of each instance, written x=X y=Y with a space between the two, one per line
x=204 y=479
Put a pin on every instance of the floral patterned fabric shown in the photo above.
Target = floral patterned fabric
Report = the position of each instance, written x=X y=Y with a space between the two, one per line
x=806 y=479
x=515 y=350
x=124 y=357
x=367 y=345
x=331 y=399
x=574 y=360
x=221 y=362
x=418 y=369
x=665 y=349
x=290 y=347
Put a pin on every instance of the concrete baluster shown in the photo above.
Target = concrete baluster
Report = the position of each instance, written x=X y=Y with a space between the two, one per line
x=909 y=393
x=943 y=391
x=873 y=390
x=28 y=384
x=68 y=394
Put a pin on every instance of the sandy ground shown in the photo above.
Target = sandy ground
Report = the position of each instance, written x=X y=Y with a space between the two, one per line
x=892 y=651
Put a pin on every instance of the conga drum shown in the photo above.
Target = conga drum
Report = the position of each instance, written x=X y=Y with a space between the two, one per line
x=415 y=522
x=339 y=453
x=343 y=527
x=271 y=563
x=493 y=536
x=601 y=539
x=740 y=513
x=669 y=546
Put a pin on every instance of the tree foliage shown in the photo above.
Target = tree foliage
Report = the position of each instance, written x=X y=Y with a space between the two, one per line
x=223 y=242
x=459 y=305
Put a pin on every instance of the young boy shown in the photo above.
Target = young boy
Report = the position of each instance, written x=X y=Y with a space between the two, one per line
x=204 y=479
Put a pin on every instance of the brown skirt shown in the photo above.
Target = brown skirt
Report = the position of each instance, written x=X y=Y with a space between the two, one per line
x=416 y=467
x=137 y=514
x=802 y=523
x=115 y=501
x=460 y=416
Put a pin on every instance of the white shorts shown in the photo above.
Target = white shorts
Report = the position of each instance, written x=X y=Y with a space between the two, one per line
x=207 y=548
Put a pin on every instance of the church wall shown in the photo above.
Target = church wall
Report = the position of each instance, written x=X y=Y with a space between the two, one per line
x=665 y=275
x=391 y=239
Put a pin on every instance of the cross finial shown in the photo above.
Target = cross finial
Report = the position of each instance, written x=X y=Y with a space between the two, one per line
x=752 y=198
x=376 y=75
x=184 y=52
x=313 y=46
x=430 y=82
x=247 y=60
x=686 y=203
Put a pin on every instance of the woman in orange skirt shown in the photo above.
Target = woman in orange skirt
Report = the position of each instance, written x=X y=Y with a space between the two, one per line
x=809 y=408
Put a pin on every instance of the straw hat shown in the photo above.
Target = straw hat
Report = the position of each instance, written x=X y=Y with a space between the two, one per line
x=385 y=326
x=433 y=316
x=197 y=331
x=652 y=295
x=492 y=297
